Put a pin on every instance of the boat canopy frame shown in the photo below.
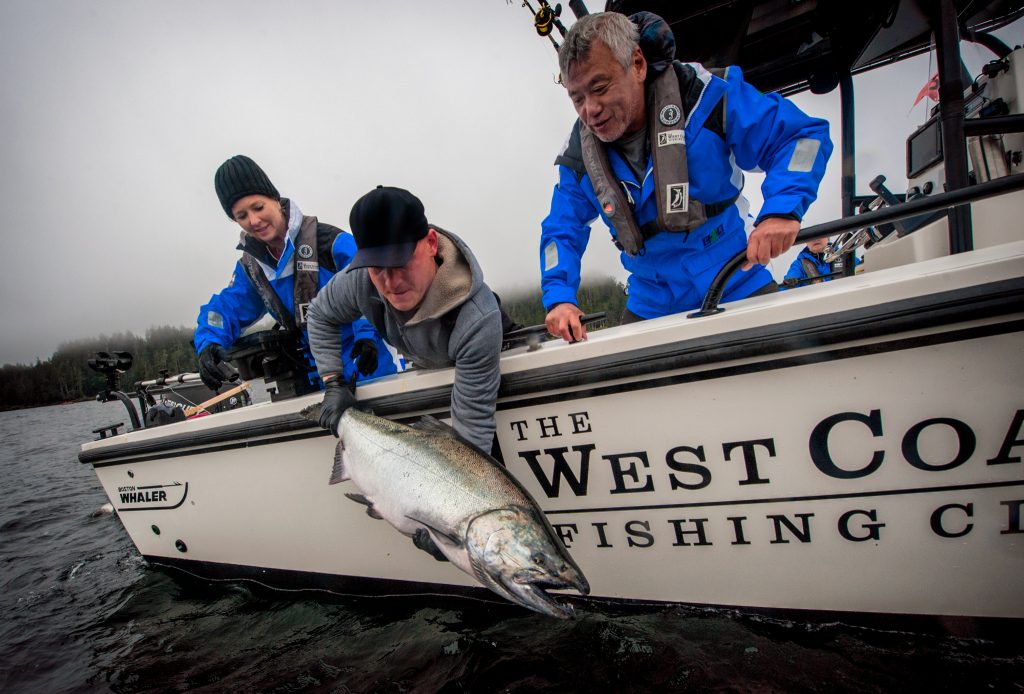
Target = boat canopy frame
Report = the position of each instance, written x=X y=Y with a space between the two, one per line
x=954 y=132
x=788 y=46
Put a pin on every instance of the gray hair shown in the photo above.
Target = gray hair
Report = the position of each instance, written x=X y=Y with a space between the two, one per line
x=613 y=30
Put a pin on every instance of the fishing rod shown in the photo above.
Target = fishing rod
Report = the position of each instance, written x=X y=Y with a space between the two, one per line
x=546 y=17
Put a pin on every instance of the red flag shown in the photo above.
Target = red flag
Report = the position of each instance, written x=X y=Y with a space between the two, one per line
x=930 y=89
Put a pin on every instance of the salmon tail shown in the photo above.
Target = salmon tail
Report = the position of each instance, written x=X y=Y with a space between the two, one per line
x=312 y=413
x=338 y=474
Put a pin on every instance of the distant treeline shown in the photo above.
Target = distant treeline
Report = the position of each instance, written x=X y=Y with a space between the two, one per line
x=67 y=377
x=594 y=296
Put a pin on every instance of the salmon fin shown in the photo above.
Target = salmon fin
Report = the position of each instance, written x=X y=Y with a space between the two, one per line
x=447 y=538
x=422 y=540
x=370 y=510
x=338 y=474
x=432 y=425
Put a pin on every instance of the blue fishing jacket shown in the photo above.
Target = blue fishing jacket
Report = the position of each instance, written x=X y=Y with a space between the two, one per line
x=729 y=127
x=229 y=312
x=798 y=270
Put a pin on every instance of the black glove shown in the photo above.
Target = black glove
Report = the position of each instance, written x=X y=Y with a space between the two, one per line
x=421 y=538
x=337 y=399
x=364 y=353
x=213 y=367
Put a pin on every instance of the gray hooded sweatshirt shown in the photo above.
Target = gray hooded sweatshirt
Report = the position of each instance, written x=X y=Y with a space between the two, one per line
x=458 y=323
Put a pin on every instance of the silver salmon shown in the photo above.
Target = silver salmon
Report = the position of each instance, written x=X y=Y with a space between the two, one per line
x=426 y=477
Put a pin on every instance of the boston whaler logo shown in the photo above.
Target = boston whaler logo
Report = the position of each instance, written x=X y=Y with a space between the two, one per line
x=151 y=496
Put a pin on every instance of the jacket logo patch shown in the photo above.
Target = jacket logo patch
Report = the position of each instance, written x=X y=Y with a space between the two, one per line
x=670 y=115
x=300 y=312
x=671 y=137
x=715 y=234
x=305 y=265
x=305 y=251
x=678 y=196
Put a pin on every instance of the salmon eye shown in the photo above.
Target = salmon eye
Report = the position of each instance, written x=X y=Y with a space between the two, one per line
x=538 y=558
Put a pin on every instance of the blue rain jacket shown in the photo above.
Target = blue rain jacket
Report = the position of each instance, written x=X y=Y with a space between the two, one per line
x=673 y=271
x=228 y=313
x=798 y=272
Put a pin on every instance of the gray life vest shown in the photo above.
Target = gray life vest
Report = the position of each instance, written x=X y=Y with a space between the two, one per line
x=811 y=270
x=307 y=278
x=677 y=211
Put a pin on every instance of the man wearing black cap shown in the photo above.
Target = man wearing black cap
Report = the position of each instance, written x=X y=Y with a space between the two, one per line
x=423 y=289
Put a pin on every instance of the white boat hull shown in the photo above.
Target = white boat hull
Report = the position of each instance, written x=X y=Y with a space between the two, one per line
x=849 y=447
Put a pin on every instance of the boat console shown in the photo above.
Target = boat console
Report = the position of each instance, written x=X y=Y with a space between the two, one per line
x=163 y=400
x=992 y=99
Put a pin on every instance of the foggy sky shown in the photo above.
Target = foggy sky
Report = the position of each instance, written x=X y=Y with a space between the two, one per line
x=116 y=113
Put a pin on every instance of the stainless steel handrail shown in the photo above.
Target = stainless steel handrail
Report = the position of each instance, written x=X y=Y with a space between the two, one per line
x=932 y=203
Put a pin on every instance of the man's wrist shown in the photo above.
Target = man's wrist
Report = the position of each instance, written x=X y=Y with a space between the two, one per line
x=778 y=215
x=564 y=303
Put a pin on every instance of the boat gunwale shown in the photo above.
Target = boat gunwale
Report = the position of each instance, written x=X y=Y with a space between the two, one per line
x=933 y=310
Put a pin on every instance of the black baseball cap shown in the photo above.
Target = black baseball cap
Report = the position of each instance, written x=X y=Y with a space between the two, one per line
x=387 y=223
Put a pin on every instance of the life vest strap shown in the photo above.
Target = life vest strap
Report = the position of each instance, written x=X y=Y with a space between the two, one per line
x=306 y=268
x=652 y=229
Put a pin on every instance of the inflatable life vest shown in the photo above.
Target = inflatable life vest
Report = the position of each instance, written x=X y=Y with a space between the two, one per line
x=677 y=210
x=307 y=278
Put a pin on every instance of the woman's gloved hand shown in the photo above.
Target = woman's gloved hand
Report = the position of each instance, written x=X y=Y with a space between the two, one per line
x=213 y=367
x=364 y=354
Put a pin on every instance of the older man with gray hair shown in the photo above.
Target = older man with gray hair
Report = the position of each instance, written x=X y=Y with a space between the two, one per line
x=658 y=152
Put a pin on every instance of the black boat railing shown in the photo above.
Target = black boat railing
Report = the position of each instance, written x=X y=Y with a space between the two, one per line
x=933 y=203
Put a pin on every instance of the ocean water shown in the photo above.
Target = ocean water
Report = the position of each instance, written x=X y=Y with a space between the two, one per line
x=81 y=611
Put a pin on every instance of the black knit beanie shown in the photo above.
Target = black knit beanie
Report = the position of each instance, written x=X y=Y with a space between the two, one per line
x=240 y=176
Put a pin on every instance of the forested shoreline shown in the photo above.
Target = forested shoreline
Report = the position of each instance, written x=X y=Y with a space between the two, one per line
x=606 y=295
x=66 y=376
